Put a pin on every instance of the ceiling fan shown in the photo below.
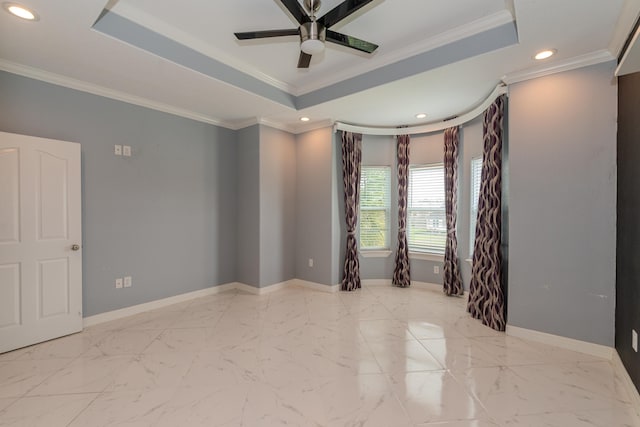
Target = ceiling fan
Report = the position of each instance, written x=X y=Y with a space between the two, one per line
x=314 y=31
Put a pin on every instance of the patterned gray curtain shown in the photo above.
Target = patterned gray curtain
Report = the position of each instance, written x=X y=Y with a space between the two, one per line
x=486 y=296
x=401 y=273
x=452 y=283
x=351 y=160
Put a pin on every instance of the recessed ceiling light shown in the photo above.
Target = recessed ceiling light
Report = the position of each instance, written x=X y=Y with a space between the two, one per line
x=544 y=54
x=421 y=116
x=304 y=119
x=20 y=11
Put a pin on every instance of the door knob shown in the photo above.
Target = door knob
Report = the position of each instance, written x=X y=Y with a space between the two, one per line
x=75 y=247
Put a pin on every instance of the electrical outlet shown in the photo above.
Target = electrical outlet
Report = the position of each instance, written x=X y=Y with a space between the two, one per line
x=436 y=269
x=310 y=262
x=126 y=150
x=117 y=150
x=634 y=340
x=119 y=283
x=127 y=282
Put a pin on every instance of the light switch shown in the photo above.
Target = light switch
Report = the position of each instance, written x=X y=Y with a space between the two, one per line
x=118 y=283
x=127 y=282
x=126 y=150
x=117 y=150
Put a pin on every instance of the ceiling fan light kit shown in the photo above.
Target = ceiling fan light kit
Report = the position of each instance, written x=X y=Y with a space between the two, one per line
x=312 y=37
x=313 y=32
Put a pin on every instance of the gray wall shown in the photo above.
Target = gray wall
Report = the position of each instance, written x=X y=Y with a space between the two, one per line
x=277 y=206
x=562 y=203
x=248 y=206
x=165 y=216
x=314 y=207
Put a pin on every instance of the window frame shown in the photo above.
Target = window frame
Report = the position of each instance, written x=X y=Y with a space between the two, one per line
x=377 y=250
x=473 y=201
x=418 y=252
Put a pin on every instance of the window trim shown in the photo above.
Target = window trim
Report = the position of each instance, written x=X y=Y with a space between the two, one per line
x=473 y=217
x=416 y=253
x=383 y=251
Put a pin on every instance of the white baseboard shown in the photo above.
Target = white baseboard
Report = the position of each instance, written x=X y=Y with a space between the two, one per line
x=376 y=282
x=153 y=305
x=621 y=371
x=596 y=350
x=147 y=306
x=317 y=286
x=436 y=287
x=426 y=285
x=264 y=290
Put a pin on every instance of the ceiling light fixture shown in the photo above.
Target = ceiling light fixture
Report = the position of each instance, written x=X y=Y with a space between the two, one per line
x=544 y=54
x=421 y=116
x=304 y=119
x=20 y=11
x=312 y=37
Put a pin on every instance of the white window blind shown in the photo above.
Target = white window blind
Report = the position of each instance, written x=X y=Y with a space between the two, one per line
x=375 y=188
x=476 y=176
x=426 y=220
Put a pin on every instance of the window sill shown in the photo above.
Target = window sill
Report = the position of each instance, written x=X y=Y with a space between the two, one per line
x=375 y=254
x=426 y=257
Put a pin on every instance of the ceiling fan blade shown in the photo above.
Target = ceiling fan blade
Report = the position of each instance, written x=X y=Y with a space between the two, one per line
x=341 y=11
x=296 y=10
x=304 y=60
x=350 y=41
x=267 y=33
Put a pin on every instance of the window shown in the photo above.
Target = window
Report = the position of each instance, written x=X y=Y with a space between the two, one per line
x=426 y=219
x=476 y=176
x=375 y=186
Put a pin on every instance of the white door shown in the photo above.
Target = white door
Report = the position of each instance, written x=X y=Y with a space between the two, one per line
x=40 y=238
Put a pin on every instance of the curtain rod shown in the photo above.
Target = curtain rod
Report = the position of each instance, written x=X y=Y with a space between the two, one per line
x=428 y=128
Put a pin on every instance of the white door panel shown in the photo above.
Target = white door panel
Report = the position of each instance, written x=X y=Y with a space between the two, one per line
x=40 y=221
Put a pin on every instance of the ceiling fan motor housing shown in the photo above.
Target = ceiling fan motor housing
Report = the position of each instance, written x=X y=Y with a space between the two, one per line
x=312 y=37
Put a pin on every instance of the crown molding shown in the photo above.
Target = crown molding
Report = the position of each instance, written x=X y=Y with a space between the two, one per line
x=294 y=129
x=500 y=89
x=150 y=22
x=310 y=126
x=71 y=83
x=626 y=21
x=592 y=58
x=467 y=30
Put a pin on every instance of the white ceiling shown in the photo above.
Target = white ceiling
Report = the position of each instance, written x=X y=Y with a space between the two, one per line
x=420 y=66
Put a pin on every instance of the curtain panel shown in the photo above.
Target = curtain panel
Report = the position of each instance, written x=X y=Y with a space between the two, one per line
x=452 y=280
x=351 y=163
x=401 y=271
x=486 y=296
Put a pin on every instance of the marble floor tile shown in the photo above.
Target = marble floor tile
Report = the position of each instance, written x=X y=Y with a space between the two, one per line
x=125 y=408
x=20 y=376
x=179 y=340
x=378 y=356
x=458 y=354
x=83 y=375
x=46 y=411
x=6 y=401
x=385 y=330
x=509 y=392
x=125 y=342
x=618 y=417
x=403 y=356
x=431 y=397
x=467 y=423
x=155 y=370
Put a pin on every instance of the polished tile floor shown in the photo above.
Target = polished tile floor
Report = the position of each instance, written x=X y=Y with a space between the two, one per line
x=380 y=356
